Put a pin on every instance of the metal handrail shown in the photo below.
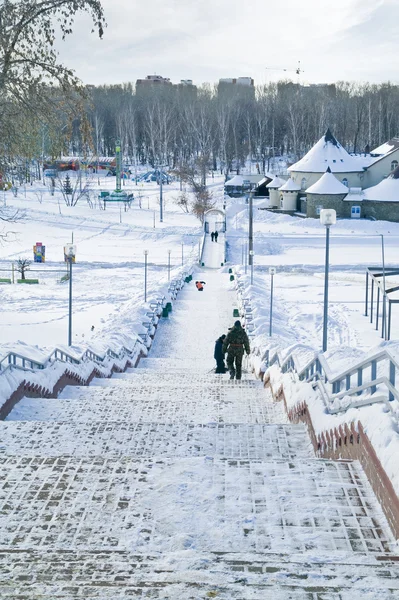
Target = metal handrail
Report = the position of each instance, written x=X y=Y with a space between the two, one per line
x=318 y=367
x=19 y=361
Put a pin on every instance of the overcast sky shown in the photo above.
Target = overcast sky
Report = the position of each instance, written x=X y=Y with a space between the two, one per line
x=204 y=40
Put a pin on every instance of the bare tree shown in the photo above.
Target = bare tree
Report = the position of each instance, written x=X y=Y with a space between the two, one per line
x=23 y=265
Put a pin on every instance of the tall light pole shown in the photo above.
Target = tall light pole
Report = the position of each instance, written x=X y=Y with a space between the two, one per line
x=169 y=251
x=384 y=298
x=70 y=253
x=272 y=271
x=251 y=258
x=250 y=230
x=328 y=217
x=160 y=196
x=145 y=275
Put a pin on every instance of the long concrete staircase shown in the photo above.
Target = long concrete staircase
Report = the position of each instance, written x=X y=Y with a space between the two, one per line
x=171 y=482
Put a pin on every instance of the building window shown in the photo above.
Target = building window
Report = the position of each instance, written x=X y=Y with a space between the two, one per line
x=303 y=183
x=394 y=164
x=345 y=181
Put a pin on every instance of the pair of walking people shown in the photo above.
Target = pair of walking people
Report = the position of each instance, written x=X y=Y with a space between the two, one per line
x=234 y=343
x=214 y=236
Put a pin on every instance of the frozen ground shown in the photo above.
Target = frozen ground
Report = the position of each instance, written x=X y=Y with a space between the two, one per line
x=169 y=481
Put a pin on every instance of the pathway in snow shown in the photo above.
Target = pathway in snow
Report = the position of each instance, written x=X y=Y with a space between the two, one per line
x=171 y=482
x=213 y=253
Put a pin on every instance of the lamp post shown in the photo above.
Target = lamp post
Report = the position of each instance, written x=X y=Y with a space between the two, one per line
x=145 y=275
x=70 y=253
x=272 y=271
x=328 y=217
x=251 y=258
x=250 y=230
x=169 y=251
x=384 y=298
x=160 y=195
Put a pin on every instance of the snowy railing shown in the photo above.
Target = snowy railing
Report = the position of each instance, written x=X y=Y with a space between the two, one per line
x=376 y=373
x=19 y=361
x=150 y=319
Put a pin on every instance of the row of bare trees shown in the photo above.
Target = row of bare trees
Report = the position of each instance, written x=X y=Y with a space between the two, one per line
x=46 y=112
x=175 y=126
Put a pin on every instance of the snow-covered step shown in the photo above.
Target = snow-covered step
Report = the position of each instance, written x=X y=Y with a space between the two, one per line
x=224 y=404
x=116 y=574
x=112 y=439
x=181 y=378
x=190 y=505
x=180 y=364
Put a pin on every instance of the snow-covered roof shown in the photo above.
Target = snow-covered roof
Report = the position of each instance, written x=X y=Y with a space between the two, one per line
x=386 y=191
x=327 y=184
x=386 y=147
x=276 y=183
x=265 y=179
x=327 y=152
x=237 y=180
x=290 y=186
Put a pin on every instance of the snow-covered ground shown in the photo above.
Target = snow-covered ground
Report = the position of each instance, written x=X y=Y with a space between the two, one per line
x=108 y=276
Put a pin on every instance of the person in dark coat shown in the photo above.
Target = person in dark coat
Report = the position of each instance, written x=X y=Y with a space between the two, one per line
x=212 y=236
x=219 y=355
x=234 y=344
x=216 y=236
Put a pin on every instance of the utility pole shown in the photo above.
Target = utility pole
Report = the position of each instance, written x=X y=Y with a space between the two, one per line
x=145 y=275
x=272 y=272
x=250 y=230
x=384 y=298
x=160 y=196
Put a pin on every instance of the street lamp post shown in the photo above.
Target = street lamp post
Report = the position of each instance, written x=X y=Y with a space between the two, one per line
x=145 y=275
x=160 y=196
x=70 y=253
x=272 y=272
x=169 y=251
x=384 y=298
x=251 y=258
x=250 y=230
x=328 y=217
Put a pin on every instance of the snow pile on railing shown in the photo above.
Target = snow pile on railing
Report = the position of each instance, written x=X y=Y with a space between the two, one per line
x=342 y=386
x=125 y=338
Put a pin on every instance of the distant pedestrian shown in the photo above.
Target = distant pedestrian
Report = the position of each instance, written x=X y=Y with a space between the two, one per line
x=219 y=355
x=216 y=236
x=212 y=236
x=200 y=285
x=234 y=345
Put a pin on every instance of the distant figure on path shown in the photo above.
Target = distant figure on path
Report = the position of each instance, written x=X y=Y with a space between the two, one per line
x=234 y=344
x=216 y=236
x=212 y=236
x=219 y=355
x=200 y=285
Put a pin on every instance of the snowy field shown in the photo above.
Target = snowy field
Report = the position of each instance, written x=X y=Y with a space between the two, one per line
x=108 y=277
x=296 y=247
x=109 y=272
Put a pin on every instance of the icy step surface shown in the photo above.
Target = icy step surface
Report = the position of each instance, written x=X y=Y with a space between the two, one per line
x=171 y=482
x=155 y=439
x=204 y=504
x=119 y=574
x=234 y=403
